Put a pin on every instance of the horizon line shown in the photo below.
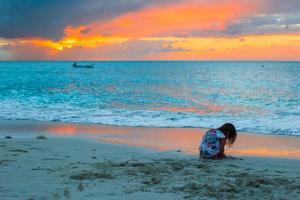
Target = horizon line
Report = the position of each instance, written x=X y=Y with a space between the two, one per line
x=162 y=60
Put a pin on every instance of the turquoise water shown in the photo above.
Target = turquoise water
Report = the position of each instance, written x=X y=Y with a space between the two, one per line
x=255 y=96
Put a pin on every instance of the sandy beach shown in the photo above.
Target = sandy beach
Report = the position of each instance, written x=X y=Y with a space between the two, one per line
x=110 y=100
x=80 y=168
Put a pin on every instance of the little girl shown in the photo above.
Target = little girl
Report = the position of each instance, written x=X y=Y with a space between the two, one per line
x=214 y=140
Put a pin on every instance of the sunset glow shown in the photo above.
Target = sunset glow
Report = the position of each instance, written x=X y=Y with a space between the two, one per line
x=170 y=30
x=171 y=139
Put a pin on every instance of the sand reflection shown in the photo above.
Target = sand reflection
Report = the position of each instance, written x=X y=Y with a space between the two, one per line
x=162 y=139
x=184 y=139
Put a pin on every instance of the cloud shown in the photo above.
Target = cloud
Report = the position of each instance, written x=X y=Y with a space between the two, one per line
x=85 y=30
x=258 y=47
x=26 y=52
x=48 y=18
x=202 y=18
x=139 y=18
x=4 y=54
x=263 y=24
x=185 y=18
x=134 y=49
x=170 y=48
x=270 y=16
x=278 y=6
x=107 y=29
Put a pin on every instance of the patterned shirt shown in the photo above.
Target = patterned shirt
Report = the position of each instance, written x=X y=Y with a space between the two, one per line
x=210 y=145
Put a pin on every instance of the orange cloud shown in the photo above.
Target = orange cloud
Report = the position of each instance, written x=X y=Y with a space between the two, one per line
x=252 y=47
x=156 y=33
x=181 y=19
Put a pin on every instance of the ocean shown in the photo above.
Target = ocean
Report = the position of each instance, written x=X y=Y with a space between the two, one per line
x=261 y=97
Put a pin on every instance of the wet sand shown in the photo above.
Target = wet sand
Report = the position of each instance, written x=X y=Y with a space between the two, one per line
x=162 y=139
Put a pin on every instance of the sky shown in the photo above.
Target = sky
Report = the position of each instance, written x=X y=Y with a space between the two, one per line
x=150 y=30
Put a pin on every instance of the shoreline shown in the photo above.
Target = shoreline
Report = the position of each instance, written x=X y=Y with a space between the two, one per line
x=128 y=126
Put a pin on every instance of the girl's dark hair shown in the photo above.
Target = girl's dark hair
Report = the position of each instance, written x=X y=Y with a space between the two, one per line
x=229 y=130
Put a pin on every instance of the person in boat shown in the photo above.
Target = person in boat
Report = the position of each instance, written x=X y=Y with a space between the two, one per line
x=82 y=66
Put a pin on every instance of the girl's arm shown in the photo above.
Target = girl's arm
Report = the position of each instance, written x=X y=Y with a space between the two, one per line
x=222 y=146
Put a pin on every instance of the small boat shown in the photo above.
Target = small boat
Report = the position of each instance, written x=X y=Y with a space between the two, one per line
x=82 y=66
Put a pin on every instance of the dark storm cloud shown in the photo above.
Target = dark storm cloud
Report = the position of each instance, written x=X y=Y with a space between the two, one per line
x=48 y=18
